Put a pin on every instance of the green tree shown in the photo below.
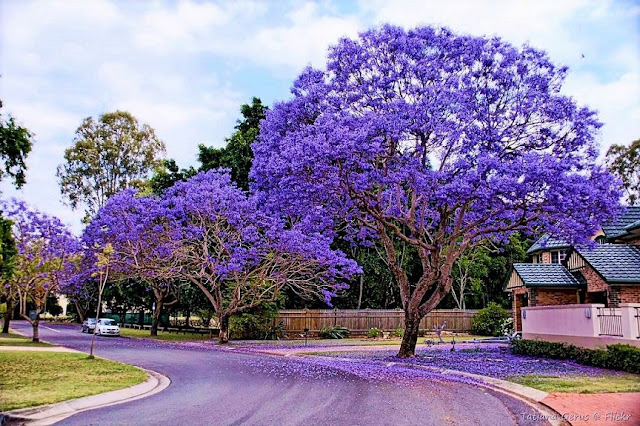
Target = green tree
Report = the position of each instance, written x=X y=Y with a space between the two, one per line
x=8 y=253
x=469 y=272
x=167 y=174
x=624 y=162
x=237 y=154
x=479 y=274
x=108 y=155
x=15 y=145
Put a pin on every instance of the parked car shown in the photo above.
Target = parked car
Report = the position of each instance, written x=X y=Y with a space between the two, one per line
x=107 y=327
x=88 y=325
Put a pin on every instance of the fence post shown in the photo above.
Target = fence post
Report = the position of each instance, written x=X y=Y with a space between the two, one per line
x=335 y=317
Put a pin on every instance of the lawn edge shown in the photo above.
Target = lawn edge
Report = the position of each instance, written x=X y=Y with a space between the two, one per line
x=52 y=413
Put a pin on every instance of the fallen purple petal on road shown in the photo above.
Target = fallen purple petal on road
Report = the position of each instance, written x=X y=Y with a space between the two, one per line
x=492 y=361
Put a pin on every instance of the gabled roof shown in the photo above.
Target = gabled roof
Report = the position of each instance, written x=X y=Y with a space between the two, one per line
x=616 y=263
x=547 y=242
x=634 y=225
x=545 y=275
x=617 y=227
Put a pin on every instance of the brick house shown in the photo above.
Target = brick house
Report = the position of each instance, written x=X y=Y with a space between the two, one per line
x=559 y=274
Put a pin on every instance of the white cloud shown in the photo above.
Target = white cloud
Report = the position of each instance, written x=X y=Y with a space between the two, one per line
x=616 y=102
x=302 y=39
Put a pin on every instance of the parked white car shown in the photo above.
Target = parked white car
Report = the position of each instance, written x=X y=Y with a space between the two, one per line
x=88 y=325
x=107 y=327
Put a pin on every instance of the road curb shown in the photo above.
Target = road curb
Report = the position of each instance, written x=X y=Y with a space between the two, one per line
x=52 y=413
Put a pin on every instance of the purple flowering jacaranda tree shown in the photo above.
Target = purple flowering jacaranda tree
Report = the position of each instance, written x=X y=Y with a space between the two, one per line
x=239 y=256
x=434 y=140
x=135 y=230
x=46 y=259
x=81 y=289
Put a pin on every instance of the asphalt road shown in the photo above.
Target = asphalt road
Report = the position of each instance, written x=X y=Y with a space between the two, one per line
x=210 y=386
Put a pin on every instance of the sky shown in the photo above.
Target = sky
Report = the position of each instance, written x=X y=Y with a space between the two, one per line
x=185 y=67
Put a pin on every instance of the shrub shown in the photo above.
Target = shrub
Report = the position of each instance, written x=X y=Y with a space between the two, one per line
x=615 y=357
x=623 y=357
x=275 y=332
x=506 y=328
x=543 y=349
x=256 y=323
x=398 y=332
x=374 y=333
x=205 y=316
x=490 y=321
x=336 y=332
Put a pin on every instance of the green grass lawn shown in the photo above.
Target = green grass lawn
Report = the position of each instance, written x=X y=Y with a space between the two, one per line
x=162 y=335
x=13 y=339
x=582 y=384
x=35 y=378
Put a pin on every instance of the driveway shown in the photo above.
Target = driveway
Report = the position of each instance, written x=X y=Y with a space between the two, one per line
x=212 y=386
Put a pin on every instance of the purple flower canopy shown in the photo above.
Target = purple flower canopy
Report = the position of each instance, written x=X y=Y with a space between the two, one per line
x=208 y=231
x=448 y=136
x=47 y=250
x=436 y=141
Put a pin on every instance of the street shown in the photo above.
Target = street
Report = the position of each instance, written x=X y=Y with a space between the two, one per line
x=210 y=386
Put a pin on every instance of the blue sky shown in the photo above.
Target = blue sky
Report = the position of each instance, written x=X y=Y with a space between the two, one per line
x=185 y=67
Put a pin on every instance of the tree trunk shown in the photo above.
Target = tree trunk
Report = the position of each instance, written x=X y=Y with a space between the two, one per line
x=410 y=337
x=187 y=321
x=223 y=337
x=8 y=316
x=34 y=325
x=360 y=294
x=81 y=313
x=156 y=316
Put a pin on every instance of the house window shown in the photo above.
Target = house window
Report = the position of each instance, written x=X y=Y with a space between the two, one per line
x=558 y=256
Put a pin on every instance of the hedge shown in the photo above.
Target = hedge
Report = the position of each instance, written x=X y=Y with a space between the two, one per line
x=614 y=357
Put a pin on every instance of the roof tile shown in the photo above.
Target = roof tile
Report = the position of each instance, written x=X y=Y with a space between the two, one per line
x=547 y=242
x=617 y=263
x=617 y=227
x=545 y=274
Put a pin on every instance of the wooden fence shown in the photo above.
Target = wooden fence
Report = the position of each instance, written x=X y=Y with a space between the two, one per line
x=360 y=321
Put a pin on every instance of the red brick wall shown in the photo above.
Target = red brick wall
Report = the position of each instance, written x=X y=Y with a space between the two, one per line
x=624 y=294
x=594 y=281
x=553 y=296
